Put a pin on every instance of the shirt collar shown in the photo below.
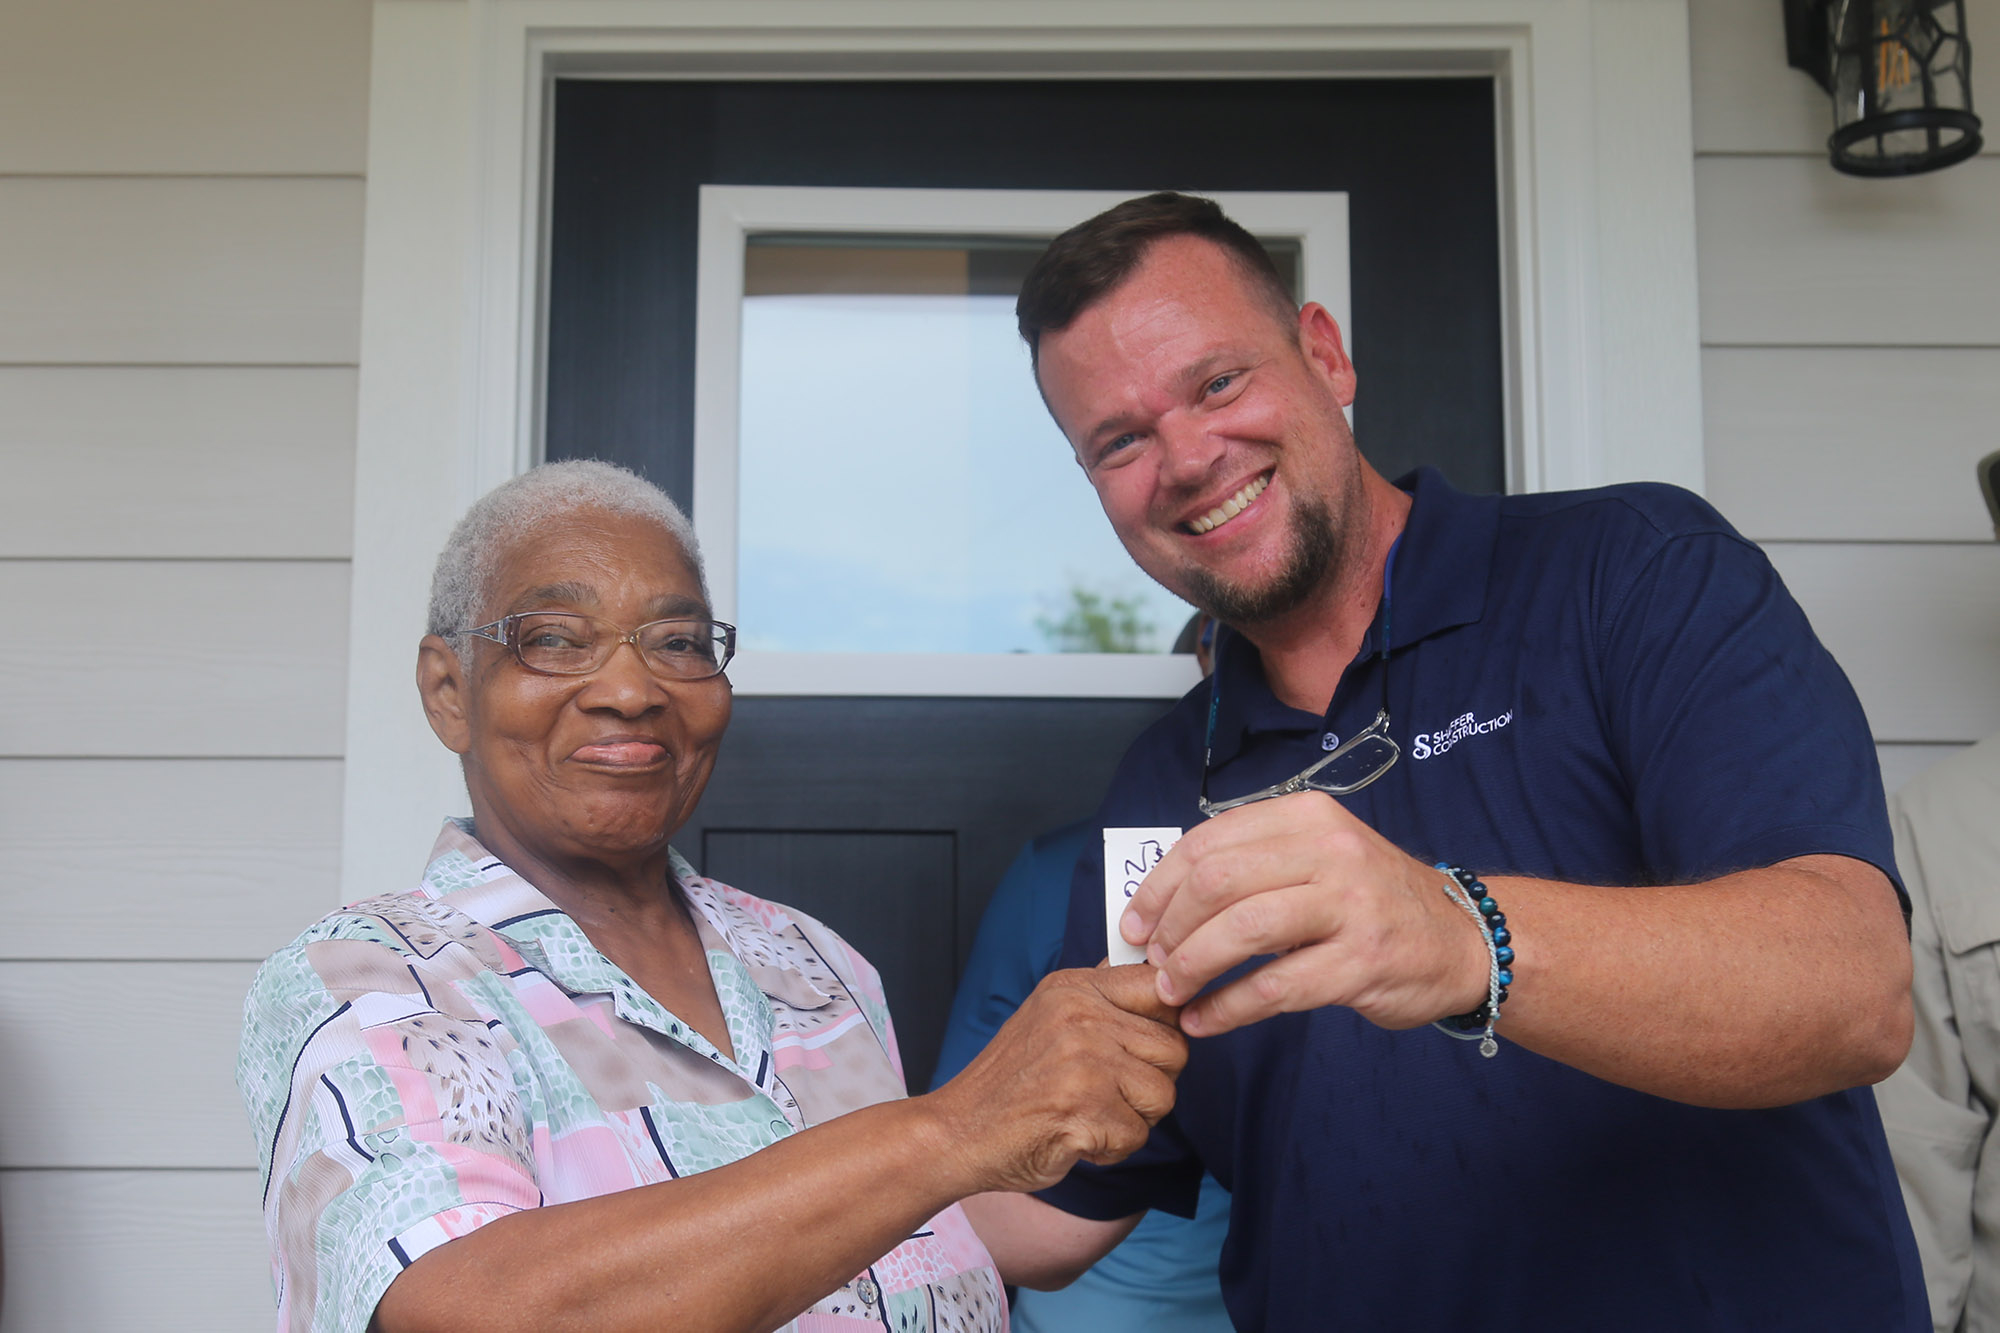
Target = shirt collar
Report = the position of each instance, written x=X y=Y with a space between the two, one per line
x=482 y=886
x=1438 y=582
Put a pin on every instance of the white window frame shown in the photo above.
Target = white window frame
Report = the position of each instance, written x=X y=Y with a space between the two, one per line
x=731 y=214
x=1596 y=163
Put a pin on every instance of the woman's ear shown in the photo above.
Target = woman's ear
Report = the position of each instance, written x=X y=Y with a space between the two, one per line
x=446 y=693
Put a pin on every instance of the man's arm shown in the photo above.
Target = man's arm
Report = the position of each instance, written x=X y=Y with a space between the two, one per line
x=1759 y=988
x=1035 y=1244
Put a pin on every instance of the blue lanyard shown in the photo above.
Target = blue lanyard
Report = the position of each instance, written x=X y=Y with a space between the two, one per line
x=1326 y=725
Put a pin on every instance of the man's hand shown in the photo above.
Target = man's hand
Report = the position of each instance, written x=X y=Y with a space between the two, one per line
x=1081 y=1071
x=1356 y=921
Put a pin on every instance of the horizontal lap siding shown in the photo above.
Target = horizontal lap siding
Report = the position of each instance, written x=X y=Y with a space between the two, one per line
x=179 y=321
x=151 y=461
x=1872 y=444
x=108 y=1251
x=180 y=271
x=1795 y=254
x=158 y=1035
x=1916 y=627
x=1851 y=335
x=166 y=858
x=184 y=87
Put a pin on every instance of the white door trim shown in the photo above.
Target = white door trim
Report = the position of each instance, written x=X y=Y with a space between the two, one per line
x=1597 y=235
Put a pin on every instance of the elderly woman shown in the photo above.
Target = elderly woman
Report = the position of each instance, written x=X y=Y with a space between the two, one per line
x=566 y=1081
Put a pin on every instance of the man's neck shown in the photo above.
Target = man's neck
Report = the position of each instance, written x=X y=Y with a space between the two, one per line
x=1306 y=652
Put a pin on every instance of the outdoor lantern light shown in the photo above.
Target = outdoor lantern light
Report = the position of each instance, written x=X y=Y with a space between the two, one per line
x=1900 y=72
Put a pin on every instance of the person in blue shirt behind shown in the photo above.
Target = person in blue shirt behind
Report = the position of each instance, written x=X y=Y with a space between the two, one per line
x=1162 y=1278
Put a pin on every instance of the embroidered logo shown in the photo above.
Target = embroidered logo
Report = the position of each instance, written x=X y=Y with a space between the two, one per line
x=1425 y=744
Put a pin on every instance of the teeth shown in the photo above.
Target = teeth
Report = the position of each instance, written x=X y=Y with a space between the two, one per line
x=1229 y=508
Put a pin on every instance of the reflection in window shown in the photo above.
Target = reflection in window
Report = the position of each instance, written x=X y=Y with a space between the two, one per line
x=901 y=487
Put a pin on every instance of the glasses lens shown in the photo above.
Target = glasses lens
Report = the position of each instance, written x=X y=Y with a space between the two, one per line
x=690 y=649
x=563 y=644
x=1368 y=759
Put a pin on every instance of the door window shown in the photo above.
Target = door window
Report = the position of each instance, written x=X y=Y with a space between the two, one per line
x=905 y=513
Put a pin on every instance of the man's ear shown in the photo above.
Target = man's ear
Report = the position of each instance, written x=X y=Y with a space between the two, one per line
x=1320 y=344
x=446 y=693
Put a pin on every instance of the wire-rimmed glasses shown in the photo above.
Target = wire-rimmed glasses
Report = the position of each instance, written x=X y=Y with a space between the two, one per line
x=1352 y=765
x=563 y=643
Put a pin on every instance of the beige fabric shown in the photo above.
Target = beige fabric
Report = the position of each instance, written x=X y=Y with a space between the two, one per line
x=1939 y=1107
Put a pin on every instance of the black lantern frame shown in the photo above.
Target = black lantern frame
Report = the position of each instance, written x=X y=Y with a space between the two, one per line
x=1900 y=75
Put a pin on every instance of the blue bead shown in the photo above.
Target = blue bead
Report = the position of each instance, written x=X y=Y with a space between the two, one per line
x=1506 y=977
x=1505 y=955
x=1488 y=906
x=1501 y=935
x=1503 y=995
x=1498 y=921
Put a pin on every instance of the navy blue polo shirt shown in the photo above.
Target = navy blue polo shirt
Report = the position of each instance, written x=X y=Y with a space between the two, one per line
x=1608 y=687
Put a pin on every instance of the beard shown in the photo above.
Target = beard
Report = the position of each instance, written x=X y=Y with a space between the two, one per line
x=1310 y=557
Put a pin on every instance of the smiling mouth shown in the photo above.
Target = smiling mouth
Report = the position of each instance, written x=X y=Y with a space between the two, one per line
x=1229 y=508
x=622 y=752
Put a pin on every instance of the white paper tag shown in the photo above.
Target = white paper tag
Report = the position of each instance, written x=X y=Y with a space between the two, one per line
x=1129 y=856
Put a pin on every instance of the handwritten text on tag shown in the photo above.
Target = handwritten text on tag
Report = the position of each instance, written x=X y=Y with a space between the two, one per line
x=1129 y=856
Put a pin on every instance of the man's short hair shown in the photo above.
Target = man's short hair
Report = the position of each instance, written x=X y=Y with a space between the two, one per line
x=1090 y=260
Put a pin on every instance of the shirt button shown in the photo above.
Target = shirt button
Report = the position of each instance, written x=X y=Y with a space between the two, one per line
x=1329 y=742
x=867 y=1291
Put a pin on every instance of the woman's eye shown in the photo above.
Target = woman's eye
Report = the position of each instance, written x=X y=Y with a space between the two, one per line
x=549 y=636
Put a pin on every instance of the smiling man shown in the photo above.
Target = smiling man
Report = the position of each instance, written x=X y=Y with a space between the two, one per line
x=1591 y=729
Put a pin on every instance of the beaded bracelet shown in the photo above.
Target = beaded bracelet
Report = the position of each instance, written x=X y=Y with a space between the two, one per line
x=1464 y=888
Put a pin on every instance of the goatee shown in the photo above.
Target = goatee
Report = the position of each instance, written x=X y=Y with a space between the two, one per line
x=1313 y=552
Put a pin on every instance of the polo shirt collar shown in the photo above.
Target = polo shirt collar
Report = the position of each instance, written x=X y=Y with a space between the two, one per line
x=1438 y=576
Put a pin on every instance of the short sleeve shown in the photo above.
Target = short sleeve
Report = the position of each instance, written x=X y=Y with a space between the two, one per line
x=384 y=1126
x=1741 y=738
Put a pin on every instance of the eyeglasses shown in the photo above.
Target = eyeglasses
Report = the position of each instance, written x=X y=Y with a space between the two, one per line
x=560 y=643
x=1356 y=762
x=1350 y=766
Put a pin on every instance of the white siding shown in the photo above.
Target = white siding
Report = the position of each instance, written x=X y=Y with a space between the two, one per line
x=151 y=461
x=1851 y=336
x=179 y=321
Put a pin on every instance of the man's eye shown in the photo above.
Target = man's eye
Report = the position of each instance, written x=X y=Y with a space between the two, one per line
x=1113 y=446
x=1219 y=383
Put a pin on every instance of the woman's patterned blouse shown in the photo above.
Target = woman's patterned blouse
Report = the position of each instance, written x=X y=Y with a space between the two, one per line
x=419 y=1064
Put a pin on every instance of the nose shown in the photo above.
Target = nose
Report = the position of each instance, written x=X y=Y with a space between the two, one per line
x=1187 y=451
x=624 y=684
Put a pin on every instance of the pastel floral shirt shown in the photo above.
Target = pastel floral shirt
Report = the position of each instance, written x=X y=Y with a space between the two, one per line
x=419 y=1064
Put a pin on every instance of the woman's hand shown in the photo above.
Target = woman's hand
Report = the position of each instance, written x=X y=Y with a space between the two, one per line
x=1081 y=1072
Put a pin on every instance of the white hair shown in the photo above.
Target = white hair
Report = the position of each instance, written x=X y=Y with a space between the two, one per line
x=518 y=506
